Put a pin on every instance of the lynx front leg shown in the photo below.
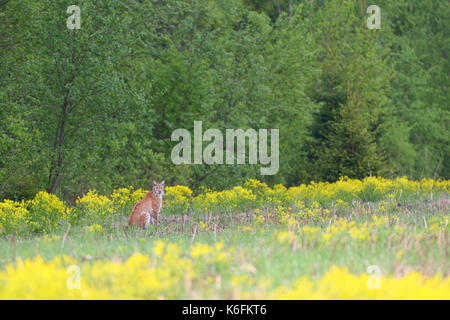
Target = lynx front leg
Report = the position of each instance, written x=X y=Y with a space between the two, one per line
x=148 y=219
x=152 y=220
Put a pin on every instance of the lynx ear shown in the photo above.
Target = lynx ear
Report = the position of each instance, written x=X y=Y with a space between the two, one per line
x=163 y=182
x=154 y=182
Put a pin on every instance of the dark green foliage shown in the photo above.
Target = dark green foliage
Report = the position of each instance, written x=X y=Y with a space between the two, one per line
x=95 y=107
x=352 y=93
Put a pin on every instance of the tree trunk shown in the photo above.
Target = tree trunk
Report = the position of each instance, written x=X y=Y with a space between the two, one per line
x=290 y=10
x=58 y=148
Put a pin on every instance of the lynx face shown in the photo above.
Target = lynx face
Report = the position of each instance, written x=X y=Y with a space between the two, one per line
x=158 y=189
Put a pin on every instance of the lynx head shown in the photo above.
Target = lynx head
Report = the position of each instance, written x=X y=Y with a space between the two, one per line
x=158 y=189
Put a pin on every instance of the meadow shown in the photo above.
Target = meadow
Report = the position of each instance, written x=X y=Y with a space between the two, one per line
x=353 y=239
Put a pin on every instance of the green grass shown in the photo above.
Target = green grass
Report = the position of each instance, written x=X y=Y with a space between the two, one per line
x=416 y=247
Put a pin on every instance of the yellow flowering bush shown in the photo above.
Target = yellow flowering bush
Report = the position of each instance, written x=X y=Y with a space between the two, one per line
x=338 y=283
x=304 y=203
x=177 y=200
x=205 y=201
x=266 y=196
x=170 y=274
x=260 y=189
x=124 y=199
x=14 y=217
x=368 y=189
x=93 y=209
x=46 y=211
x=227 y=200
x=238 y=197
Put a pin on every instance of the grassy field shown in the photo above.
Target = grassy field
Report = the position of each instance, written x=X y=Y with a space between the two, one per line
x=348 y=240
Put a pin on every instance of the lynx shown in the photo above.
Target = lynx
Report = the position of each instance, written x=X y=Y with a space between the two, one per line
x=146 y=211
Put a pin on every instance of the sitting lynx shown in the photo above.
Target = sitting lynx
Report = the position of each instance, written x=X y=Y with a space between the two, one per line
x=146 y=211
